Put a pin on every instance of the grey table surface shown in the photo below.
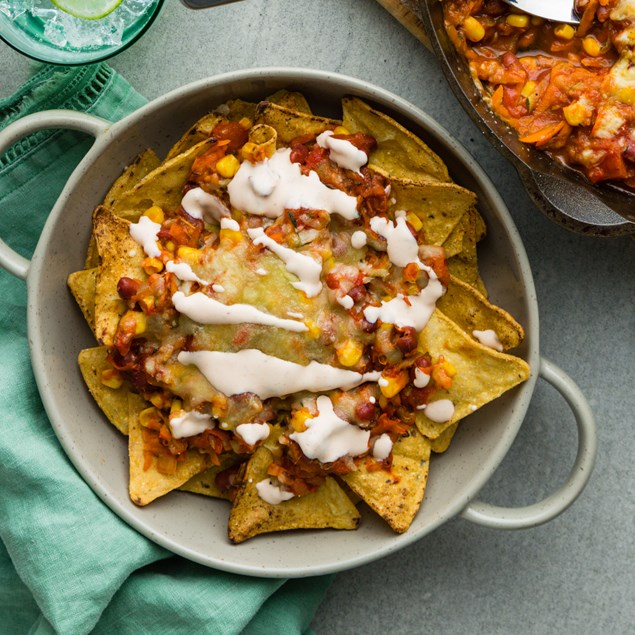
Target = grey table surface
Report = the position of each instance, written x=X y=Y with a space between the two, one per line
x=575 y=574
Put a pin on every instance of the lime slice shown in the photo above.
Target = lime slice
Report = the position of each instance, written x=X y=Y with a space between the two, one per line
x=87 y=9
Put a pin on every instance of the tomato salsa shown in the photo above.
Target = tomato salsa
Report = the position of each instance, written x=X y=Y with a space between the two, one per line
x=567 y=90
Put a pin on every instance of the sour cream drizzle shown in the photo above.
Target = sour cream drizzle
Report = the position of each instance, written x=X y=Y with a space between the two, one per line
x=273 y=185
x=146 y=232
x=401 y=244
x=199 y=204
x=342 y=152
x=251 y=370
x=439 y=411
x=414 y=311
x=488 y=338
x=251 y=433
x=304 y=267
x=271 y=493
x=183 y=272
x=359 y=239
x=205 y=310
x=328 y=438
x=190 y=423
x=382 y=447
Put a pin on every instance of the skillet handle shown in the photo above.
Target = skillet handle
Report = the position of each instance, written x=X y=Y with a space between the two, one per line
x=556 y=503
x=10 y=260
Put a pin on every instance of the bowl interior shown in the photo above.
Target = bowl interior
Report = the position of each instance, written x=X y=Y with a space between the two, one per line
x=193 y=526
x=561 y=192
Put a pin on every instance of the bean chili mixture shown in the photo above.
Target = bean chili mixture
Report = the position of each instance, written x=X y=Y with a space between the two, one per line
x=568 y=90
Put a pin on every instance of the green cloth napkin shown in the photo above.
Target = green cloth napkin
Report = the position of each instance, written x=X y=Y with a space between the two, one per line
x=67 y=563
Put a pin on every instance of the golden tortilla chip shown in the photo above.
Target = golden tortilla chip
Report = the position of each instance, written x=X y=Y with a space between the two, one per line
x=120 y=256
x=482 y=374
x=163 y=186
x=399 y=152
x=472 y=311
x=464 y=263
x=439 y=206
x=442 y=442
x=205 y=482
x=290 y=124
x=149 y=484
x=200 y=131
x=114 y=402
x=82 y=286
x=291 y=100
x=396 y=494
x=250 y=515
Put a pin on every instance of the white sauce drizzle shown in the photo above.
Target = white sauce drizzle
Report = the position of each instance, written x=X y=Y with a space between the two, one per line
x=421 y=379
x=359 y=239
x=251 y=433
x=145 y=232
x=219 y=288
x=415 y=312
x=229 y=223
x=440 y=411
x=271 y=493
x=199 y=204
x=183 y=272
x=346 y=301
x=304 y=267
x=328 y=438
x=251 y=370
x=273 y=185
x=402 y=246
x=205 y=310
x=190 y=424
x=342 y=152
x=382 y=447
x=488 y=338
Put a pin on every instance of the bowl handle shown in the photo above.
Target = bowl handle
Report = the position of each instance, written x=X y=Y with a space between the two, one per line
x=547 y=509
x=10 y=260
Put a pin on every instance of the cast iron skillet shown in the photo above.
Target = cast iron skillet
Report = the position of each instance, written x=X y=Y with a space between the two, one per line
x=562 y=193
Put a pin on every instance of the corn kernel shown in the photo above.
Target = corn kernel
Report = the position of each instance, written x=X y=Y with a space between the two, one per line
x=141 y=322
x=390 y=386
x=591 y=46
x=189 y=254
x=340 y=130
x=176 y=406
x=152 y=265
x=149 y=416
x=450 y=369
x=349 y=353
x=170 y=246
x=314 y=329
x=564 y=31
x=248 y=151
x=517 y=20
x=299 y=418
x=246 y=123
x=473 y=29
x=111 y=378
x=155 y=214
x=227 y=166
x=231 y=235
x=414 y=220
x=578 y=113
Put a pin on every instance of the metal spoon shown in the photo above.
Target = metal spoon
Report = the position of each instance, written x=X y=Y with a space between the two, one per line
x=556 y=10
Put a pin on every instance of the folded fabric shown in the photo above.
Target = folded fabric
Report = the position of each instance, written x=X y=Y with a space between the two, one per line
x=68 y=564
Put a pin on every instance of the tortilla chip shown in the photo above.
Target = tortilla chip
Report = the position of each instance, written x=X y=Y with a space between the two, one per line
x=395 y=494
x=290 y=124
x=291 y=100
x=328 y=507
x=442 y=442
x=464 y=263
x=120 y=256
x=471 y=310
x=163 y=186
x=440 y=206
x=148 y=485
x=82 y=286
x=399 y=152
x=482 y=374
x=205 y=482
x=114 y=402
